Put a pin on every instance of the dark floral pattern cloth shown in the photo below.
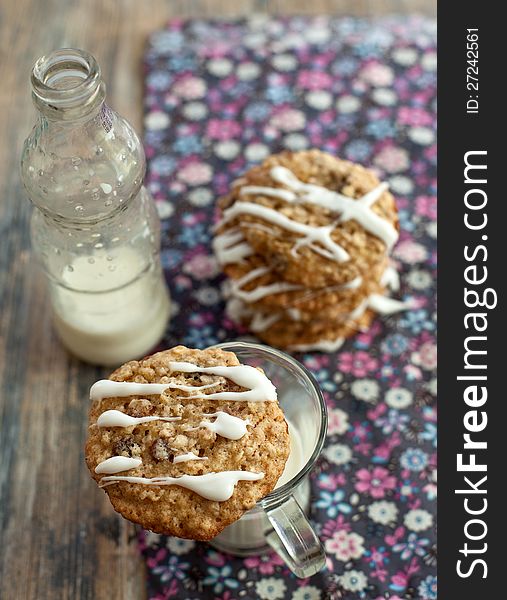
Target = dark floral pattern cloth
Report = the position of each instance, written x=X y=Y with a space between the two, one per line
x=219 y=97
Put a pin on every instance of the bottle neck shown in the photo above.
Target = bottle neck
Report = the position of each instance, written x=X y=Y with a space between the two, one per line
x=67 y=85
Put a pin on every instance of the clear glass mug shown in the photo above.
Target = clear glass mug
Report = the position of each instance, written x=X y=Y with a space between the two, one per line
x=279 y=522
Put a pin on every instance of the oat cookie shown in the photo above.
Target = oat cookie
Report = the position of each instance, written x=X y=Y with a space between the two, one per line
x=305 y=240
x=280 y=218
x=212 y=417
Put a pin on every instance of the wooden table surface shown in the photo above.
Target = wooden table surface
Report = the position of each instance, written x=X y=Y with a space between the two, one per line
x=59 y=537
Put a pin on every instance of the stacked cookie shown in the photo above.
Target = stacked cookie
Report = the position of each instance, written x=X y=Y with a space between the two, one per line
x=305 y=239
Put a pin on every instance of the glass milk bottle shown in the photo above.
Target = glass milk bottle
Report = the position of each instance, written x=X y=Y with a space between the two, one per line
x=94 y=228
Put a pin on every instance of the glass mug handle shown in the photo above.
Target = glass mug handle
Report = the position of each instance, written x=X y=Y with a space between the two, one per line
x=294 y=539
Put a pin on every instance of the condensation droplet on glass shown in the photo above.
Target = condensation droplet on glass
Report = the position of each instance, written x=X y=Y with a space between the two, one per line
x=79 y=245
x=112 y=268
x=115 y=239
x=44 y=190
x=95 y=195
x=108 y=203
x=109 y=258
x=106 y=188
x=91 y=261
x=70 y=268
x=79 y=207
x=75 y=160
x=41 y=172
x=123 y=156
x=96 y=235
x=99 y=150
x=86 y=182
x=98 y=245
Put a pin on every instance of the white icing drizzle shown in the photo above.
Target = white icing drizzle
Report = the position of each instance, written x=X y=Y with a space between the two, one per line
x=106 y=388
x=321 y=346
x=260 y=190
x=294 y=314
x=217 y=487
x=258 y=387
x=187 y=457
x=262 y=290
x=115 y=418
x=387 y=306
x=118 y=464
x=311 y=234
x=359 y=210
x=226 y=425
x=391 y=279
x=262 y=321
x=230 y=247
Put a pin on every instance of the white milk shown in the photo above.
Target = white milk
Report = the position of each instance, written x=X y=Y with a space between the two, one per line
x=296 y=460
x=119 y=315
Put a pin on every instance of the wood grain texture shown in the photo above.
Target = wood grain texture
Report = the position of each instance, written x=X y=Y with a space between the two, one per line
x=59 y=537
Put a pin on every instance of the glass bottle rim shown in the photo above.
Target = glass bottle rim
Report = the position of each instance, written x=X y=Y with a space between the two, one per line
x=66 y=82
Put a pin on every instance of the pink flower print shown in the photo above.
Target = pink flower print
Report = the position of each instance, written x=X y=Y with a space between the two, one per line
x=201 y=266
x=314 y=80
x=410 y=252
x=195 y=173
x=358 y=363
x=426 y=206
x=265 y=563
x=416 y=117
x=338 y=421
x=345 y=546
x=222 y=129
x=377 y=75
x=392 y=159
x=288 y=119
x=376 y=483
x=189 y=88
x=426 y=357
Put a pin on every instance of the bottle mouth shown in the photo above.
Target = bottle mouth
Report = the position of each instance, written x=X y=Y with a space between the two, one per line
x=66 y=81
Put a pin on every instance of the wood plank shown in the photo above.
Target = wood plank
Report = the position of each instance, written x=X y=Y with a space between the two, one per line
x=59 y=535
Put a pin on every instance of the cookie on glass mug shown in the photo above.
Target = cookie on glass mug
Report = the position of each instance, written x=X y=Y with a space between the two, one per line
x=185 y=441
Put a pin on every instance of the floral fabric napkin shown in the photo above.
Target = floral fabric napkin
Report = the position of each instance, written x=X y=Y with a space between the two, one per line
x=219 y=97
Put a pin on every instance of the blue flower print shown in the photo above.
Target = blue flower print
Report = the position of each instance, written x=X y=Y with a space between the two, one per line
x=345 y=66
x=186 y=145
x=392 y=421
x=428 y=588
x=165 y=41
x=170 y=258
x=172 y=568
x=279 y=95
x=181 y=63
x=192 y=235
x=163 y=165
x=417 y=321
x=414 y=459
x=220 y=578
x=200 y=337
x=395 y=344
x=413 y=545
x=333 y=503
x=430 y=434
x=358 y=150
x=257 y=111
x=380 y=129
x=159 y=80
